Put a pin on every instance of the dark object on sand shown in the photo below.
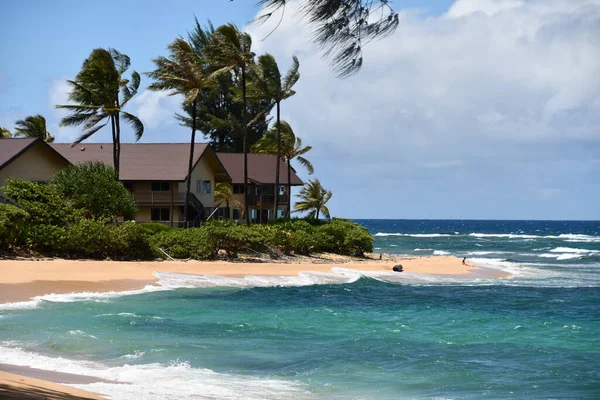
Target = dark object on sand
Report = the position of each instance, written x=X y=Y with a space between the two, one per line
x=398 y=268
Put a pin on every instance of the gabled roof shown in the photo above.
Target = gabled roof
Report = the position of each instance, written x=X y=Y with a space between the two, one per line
x=145 y=161
x=261 y=169
x=12 y=148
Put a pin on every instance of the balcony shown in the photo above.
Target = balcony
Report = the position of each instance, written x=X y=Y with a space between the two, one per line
x=266 y=200
x=159 y=198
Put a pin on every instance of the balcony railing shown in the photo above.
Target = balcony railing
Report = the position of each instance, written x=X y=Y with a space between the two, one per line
x=266 y=199
x=159 y=198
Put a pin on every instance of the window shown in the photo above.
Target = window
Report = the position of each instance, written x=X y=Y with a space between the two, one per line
x=236 y=213
x=160 y=186
x=280 y=212
x=257 y=190
x=281 y=190
x=238 y=188
x=203 y=186
x=160 y=214
x=206 y=187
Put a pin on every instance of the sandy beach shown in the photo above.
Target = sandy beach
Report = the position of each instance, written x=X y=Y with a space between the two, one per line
x=21 y=280
x=19 y=387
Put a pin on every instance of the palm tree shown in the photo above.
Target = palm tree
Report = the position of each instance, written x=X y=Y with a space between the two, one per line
x=182 y=73
x=33 y=126
x=5 y=133
x=291 y=148
x=314 y=197
x=274 y=88
x=224 y=193
x=341 y=28
x=99 y=93
x=230 y=51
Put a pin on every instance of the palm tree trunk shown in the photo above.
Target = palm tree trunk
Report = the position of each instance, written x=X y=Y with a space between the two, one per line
x=114 y=138
x=118 y=146
x=289 y=188
x=278 y=161
x=188 y=184
x=245 y=136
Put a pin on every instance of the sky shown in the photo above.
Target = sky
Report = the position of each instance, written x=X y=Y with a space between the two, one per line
x=472 y=109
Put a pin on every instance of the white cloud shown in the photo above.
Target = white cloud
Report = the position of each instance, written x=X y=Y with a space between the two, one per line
x=58 y=95
x=490 y=83
x=156 y=108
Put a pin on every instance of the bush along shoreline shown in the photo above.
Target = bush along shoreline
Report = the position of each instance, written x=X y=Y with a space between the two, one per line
x=53 y=220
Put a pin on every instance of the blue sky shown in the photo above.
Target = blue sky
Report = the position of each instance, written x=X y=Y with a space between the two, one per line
x=485 y=109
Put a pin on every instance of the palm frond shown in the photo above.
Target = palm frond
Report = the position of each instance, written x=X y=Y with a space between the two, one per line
x=136 y=124
x=87 y=134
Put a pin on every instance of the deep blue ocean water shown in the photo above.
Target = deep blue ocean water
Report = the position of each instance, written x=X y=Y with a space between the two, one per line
x=345 y=335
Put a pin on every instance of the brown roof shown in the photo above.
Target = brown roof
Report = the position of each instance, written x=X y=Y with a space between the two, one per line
x=145 y=161
x=14 y=147
x=261 y=168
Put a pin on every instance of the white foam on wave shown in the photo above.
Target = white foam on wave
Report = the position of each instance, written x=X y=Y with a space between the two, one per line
x=486 y=253
x=337 y=276
x=137 y=354
x=79 y=333
x=560 y=257
x=441 y=253
x=568 y=237
x=72 y=297
x=175 y=380
x=417 y=235
x=574 y=250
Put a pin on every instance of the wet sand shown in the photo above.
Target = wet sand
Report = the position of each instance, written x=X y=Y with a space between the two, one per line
x=21 y=387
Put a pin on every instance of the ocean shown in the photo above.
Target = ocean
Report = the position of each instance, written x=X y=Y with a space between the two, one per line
x=344 y=335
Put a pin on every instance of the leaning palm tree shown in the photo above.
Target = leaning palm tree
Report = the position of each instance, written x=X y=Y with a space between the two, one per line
x=272 y=87
x=230 y=51
x=99 y=93
x=184 y=73
x=5 y=133
x=224 y=193
x=314 y=197
x=33 y=126
x=291 y=148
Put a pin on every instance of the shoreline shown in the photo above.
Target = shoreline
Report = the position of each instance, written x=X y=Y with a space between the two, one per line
x=21 y=386
x=22 y=280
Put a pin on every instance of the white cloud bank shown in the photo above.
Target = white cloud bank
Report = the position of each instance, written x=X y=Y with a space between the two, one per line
x=486 y=96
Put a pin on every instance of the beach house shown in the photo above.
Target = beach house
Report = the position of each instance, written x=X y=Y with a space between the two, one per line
x=156 y=175
x=28 y=159
x=261 y=186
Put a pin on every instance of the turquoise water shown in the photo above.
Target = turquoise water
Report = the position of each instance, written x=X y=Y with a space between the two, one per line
x=341 y=335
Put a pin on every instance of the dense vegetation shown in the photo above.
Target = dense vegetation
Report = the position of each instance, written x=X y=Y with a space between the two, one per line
x=63 y=219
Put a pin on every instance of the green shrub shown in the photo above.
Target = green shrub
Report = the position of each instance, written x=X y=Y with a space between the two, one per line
x=46 y=239
x=186 y=243
x=92 y=188
x=133 y=243
x=231 y=237
x=44 y=203
x=12 y=222
x=152 y=228
x=343 y=237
